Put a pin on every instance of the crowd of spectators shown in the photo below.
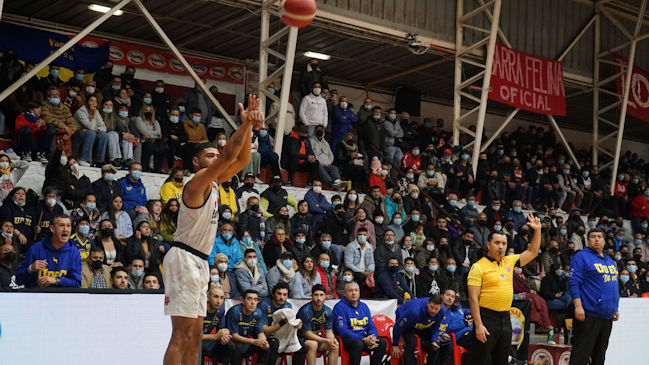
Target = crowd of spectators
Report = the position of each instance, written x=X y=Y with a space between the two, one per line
x=418 y=230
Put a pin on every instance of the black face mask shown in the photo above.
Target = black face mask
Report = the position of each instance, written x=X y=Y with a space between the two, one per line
x=581 y=233
x=283 y=216
x=96 y=265
x=319 y=134
x=393 y=269
x=226 y=185
x=571 y=251
x=276 y=187
x=554 y=250
x=482 y=223
x=148 y=115
x=178 y=179
x=254 y=207
x=10 y=257
x=248 y=185
x=107 y=232
x=302 y=138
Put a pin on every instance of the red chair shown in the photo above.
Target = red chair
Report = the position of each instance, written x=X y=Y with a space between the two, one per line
x=209 y=360
x=384 y=326
x=458 y=351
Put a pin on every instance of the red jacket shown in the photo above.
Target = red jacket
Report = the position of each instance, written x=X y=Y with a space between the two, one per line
x=410 y=161
x=620 y=189
x=378 y=181
x=640 y=206
x=22 y=122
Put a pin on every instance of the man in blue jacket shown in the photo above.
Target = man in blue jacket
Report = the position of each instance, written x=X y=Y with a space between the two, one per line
x=421 y=317
x=353 y=323
x=391 y=284
x=593 y=286
x=133 y=190
x=458 y=320
x=318 y=204
x=52 y=261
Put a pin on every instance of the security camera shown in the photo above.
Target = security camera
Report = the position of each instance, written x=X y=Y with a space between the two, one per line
x=414 y=45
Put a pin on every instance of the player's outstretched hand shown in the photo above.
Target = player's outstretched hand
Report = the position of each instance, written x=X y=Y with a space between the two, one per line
x=252 y=114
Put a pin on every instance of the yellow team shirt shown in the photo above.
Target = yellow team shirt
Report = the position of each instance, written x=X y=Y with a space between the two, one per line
x=495 y=280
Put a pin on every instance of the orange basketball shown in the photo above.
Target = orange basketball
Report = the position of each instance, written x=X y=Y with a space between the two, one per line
x=297 y=13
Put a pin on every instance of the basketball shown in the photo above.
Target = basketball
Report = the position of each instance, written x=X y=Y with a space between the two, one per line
x=297 y=13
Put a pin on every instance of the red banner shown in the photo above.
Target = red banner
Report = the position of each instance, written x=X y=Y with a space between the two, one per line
x=527 y=82
x=638 y=94
x=153 y=59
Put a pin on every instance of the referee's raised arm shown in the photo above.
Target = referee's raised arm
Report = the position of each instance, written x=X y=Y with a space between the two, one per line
x=533 y=249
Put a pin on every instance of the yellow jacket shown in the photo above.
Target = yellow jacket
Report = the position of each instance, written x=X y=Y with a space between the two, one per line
x=171 y=190
x=229 y=198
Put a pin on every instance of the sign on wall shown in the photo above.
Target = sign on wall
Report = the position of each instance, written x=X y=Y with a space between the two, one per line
x=527 y=82
x=638 y=94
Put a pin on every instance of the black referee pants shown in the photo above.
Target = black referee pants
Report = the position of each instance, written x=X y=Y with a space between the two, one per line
x=591 y=341
x=499 y=340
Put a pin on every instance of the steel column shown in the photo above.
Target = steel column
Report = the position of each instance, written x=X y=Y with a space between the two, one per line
x=263 y=56
x=596 y=50
x=563 y=140
x=625 y=95
x=457 y=97
x=286 y=89
x=54 y=55
x=502 y=126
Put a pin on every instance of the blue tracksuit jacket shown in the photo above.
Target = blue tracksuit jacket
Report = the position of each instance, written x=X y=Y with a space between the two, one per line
x=133 y=193
x=455 y=317
x=413 y=314
x=64 y=263
x=353 y=322
x=594 y=279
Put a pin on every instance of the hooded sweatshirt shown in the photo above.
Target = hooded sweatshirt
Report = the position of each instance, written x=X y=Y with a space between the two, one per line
x=593 y=279
x=353 y=322
x=64 y=263
x=247 y=279
x=414 y=314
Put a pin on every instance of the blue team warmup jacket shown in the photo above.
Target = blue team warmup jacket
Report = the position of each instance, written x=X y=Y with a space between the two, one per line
x=594 y=279
x=353 y=322
x=64 y=263
x=413 y=314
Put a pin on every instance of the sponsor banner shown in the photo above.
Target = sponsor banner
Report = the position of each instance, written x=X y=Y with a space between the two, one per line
x=150 y=58
x=527 y=82
x=638 y=94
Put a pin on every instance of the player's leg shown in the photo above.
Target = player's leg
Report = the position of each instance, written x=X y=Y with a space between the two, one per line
x=310 y=347
x=196 y=334
x=602 y=336
x=409 y=348
x=181 y=333
x=334 y=352
x=585 y=338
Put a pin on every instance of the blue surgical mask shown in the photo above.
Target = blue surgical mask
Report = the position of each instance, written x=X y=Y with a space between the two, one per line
x=367 y=106
x=288 y=263
x=300 y=240
x=123 y=114
x=215 y=278
x=585 y=174
x=433 y=267
x=452 y=203
x=324 y=264
x=624 y=278
x=560 y=274
x=392 y=117
x=226 y=236
x=560 y=162
x=326 y=244
x=450 y=268
x=430 y=173
x=410 y=176
x=91 y=206
x=430 y=247
x=174 y=119
x=497 y=228
x=79 y=77
x=196 y=119
x=147 y=101
x=55 y=101
x=397 y=221
x=270 y=90
x=465 y=157
x=620 y=177
x=54 y=73
x=410 y=269
x=495 y=207
x=84 y=230
x=361 y=239
x=637 y=241
x=644 y=225
x=107 y=110
x=517 y=209
x=471 y=203
x=181 y=108
x=19 y=204
x=137 y=273
x=646 y=192
x=632 y=269
x=566 y=172
x=136 y=174
x=116 y=87
x=389 y=243
x=227 y=216
x=7 y=235
x=414 y=218
x=635 y=181
x=592 y=224
x=246 y=240
x=263 y=133
x=376 y=117
x=415 y=153
x=563 y=232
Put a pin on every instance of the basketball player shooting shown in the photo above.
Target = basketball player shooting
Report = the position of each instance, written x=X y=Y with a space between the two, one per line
x=185 y=267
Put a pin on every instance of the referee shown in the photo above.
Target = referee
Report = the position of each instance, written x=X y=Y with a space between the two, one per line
x=491 y=292
x=593 y=286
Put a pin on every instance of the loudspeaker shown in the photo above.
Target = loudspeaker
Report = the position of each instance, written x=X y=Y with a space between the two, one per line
x=408 y=100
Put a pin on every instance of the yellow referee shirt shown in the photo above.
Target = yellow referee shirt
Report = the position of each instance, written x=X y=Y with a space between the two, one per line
x=496 y=280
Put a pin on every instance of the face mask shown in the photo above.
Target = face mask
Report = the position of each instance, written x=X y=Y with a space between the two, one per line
x=430 y=247
x=227 y=216
x=4 y=165
x=107 y=110
x=96 y=265
x=181 y=108
x=148 y=115
x=367 y=106
x=317 y=189
x=415 y=153
x=624 y=278
x=215 y=278
x=585 y=174
x=430 y=173
x=646 y=192
x=620 y=177
x=644 y=225
x=560 y=274
x=246 y=240
x=55 y=101
x=72 y=93
x=276 y=187
x=632 y=269
x=54 y=73
x=433 y=267
x=174 y=119
x=414 y=218
x=19 y=204
x=316 y=91
x=414 y=195
x=226 y=236
x=288 y=264
x=517 y=209
x=116 y=87
x=347 y=278
x=123 y=114
x=638 y=241
x=471 y=203
x=222 y=266
x=343 y=105
x=198 y=120
x=384 y=172
x=251 y=263
x=452 y=203
x=393 y=117
x=389 y=243
x=352 y=197
x=319 y=134
x=136 y=175
x=107 y=232
x=137 y=273
x=450 y=268
x=263 y=133
x=393 y=269
x=324 y=264
x=563 y=232
x=7 y=235
x=91 y=206
x=84 y=230
x=465 y=157
x=379 y=220
x=497 y=228
x=221 y=142
x=361 y=239
x=397 y=221
x=617 y=257
x=159 y=90
x=376 y=117
x=300 y=240
x=410 y=176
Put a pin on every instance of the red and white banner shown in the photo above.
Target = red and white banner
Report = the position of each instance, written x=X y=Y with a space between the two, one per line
x=527 y=82
x=638 y=94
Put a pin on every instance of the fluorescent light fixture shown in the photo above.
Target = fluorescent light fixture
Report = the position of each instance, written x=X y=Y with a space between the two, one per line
x=103 y=9
x=316 y=55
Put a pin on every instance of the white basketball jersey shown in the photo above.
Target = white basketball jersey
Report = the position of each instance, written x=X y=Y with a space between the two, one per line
x=197 y=226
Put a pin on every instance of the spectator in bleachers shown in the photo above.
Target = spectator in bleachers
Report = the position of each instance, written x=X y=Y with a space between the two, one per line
x=127 y=141
x=195 y=98
x=373 y=133
x=453 y=279
x=196 y=133
x=352 y=163
x=53 y=261
x=110 y=244
x=365 y=110
x=361 y=220
x=119 y=219
x=342 y=121
x=104 y=75
x=153 y=217
x=327 y=275
x=246 y=242
x=391 y=284
x=52 y=79
x=328 y=171
x=278 y=243
x=70 y=95
x=91 y=88
x=136 y=272
x=374 y=201
x=359 y=256
x=379 y=224
x=311 y=73
x=249 y=276
x=424 y=252
x=119 y=278
x=87 y=208
x=90 y=133
x=301 y=245
x=169 y=220
x=133 y=190
x=150 y=281
x=20 y=211
x=143 y=244
x=152 y=143
x=639 y=209
x=57 y=116
x=279 y=219
x=173 y=186
x=554 y=290
x=94 y=273
x=411 y=276
x=108 y=114
x=317 y=203
x=46 y=209
x=298 y=155
x=222 y=277
x=247 y=191
x=8 y=257
x=159 y=99
x=81 y=239
x=174 y=132
x=266 y=152
x=116 y=91
x=285 y=270
x=393 y=139
x=129 y=79
x=430 y=280
x=33 y=138
x=254 y=166
x=250 y=220
x=226 y=243
x=386 y=250
x=466 y=252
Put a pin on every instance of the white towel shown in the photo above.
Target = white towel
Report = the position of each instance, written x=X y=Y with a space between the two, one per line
x=287 y=334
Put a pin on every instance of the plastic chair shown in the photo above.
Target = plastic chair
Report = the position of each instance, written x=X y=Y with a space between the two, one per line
x=458 y=351
x=384 y=326
x=569 y=329
x=209 y=360
x=344 y=355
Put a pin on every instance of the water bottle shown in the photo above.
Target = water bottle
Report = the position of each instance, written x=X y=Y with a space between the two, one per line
x=562 y=337
x=551 y=336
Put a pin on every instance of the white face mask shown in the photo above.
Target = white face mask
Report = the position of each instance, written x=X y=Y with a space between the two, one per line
x=50 y=202
x=316 y=91
x=317 y=189
x=222 y=266
x=64 y=160
x=159 y=90
x=4 y=165
x=414 y=195
x=379 y=220
x=384 y=172
x=347 y=278
x=90 y=89
x=251 y=263
x=221 y=142
x=352 y=197
x=72 y=93
x=343 y=105
x=74 y=167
